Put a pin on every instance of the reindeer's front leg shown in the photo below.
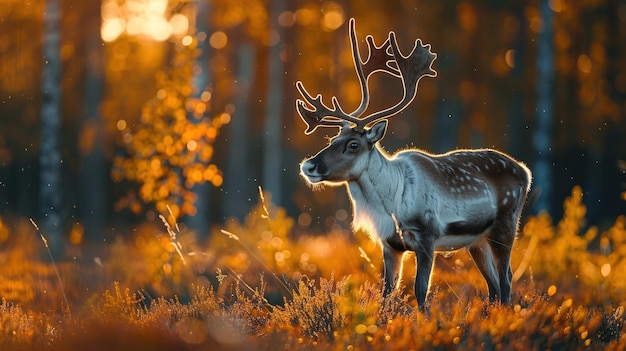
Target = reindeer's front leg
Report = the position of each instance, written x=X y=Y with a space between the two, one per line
x=391 y=259
x=424 y=255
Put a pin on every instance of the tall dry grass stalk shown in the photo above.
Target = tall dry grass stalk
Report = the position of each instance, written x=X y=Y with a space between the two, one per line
x=56 y=269
x=173 y=234
x=257 y=258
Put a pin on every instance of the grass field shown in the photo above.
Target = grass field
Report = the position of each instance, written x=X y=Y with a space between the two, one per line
x=254 y=286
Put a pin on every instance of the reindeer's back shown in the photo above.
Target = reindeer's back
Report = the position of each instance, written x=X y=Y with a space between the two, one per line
x=488 y=162
x=509 y=178
x=462 y=173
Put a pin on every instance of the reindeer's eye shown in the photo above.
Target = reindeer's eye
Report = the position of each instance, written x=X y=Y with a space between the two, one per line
x=353 y=145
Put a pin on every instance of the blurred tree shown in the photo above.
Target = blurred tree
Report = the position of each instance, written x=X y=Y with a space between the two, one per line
x=50 y=185
x=245 y=24
x=480 y=81
x=239 y=186
x=20 y=105
x=167 y=153
x=93 y=168
x=542 y=138
x=199 y=11
x=274 y=121
x=518 y=26
x=615 y=11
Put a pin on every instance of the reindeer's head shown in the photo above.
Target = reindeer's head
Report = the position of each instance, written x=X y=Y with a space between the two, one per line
x=346 y=155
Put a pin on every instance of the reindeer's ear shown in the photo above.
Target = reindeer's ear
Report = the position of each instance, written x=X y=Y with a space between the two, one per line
x=377 y=131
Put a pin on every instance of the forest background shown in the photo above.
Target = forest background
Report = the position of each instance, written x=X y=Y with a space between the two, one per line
x=113 y=111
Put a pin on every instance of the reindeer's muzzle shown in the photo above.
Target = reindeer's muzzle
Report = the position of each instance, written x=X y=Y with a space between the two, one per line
x=314 y=170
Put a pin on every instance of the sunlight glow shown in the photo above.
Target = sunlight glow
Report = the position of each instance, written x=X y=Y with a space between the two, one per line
x=158 y=28
x=179 y=24
x=187 y=40
x=112 y=28
x=156 y=7
x=143 y=18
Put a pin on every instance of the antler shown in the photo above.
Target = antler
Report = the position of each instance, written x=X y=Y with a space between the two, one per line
x=386 y=58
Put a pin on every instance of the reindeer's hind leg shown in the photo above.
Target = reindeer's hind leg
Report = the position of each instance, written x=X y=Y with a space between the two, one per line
x=486 y=262
x=501 y=240
x=492 y=254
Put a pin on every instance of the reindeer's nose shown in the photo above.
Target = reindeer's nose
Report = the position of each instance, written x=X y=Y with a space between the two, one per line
x=314 y=170
x=309 y=167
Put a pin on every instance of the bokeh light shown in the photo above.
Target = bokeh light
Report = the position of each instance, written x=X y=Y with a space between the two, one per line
x=218 y=40
x=509 y=58
x=333 y=16
x=143 y=18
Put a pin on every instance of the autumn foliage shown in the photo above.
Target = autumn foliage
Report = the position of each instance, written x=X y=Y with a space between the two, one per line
x=262 y=285
x=171 y=148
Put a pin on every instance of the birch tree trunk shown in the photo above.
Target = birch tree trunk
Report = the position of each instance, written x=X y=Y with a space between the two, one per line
x=272 y=138
x=49 y=153
x=542 y=138
x=201 y=221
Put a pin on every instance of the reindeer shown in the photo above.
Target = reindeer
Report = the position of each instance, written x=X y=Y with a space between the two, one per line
x=413 y=200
